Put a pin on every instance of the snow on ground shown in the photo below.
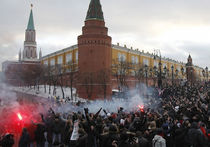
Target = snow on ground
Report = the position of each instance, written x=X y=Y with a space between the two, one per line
x=45 y=94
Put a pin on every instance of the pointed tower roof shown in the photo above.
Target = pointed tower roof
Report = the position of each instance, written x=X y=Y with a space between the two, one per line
x=31 y=21
x=189 y=57
x=95 y=11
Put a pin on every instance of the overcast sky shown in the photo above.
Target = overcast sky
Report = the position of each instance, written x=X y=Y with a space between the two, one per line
x=176 y=27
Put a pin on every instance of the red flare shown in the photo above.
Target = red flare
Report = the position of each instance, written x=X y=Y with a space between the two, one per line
x=19 y=116
x=141 y=108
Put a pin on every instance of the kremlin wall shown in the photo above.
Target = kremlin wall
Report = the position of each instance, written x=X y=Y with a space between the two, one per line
x=102 y=66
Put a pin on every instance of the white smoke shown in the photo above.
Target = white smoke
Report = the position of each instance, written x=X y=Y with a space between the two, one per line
x=136 y=98
x=8 y=98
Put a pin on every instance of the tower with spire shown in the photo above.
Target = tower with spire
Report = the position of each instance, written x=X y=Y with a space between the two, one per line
x=30 y=47
x=190 y=70
x=20 y=56
x=40 y=54
x=189 y=60
x=94 y=49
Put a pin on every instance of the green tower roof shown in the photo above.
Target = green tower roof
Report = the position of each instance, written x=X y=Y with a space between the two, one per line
x=31 y=22
x=95 y=11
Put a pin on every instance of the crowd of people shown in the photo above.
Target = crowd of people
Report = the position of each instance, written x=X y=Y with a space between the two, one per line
x=181 y=118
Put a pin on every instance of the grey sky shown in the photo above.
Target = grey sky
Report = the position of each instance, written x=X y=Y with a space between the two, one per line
x=177 y=27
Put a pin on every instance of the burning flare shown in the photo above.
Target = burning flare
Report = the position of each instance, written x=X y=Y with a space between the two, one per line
x=19 y=116
x=141 y=108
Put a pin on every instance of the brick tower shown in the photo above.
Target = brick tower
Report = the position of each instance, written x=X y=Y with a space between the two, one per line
x=94 y=49
x=190 y=70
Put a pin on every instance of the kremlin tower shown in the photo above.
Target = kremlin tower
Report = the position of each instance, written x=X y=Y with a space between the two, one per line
x=190 y=70
x=29 y=52
x=94 y=48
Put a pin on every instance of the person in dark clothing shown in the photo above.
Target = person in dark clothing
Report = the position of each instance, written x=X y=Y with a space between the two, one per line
x=24 y=139
x=57 y=128
x=67 y=132
x=39 y=135
x=143 y=142
x=180 y=118
x=194 y=137
x=7 y=141
x=180 y=133
x=108 y=140
x=48 y=125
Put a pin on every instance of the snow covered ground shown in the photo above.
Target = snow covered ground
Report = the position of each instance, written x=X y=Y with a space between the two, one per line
x=45 y=94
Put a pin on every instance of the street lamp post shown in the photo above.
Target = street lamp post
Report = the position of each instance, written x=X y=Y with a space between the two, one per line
x=146 y=74
x=207 y=74
x=182 y=70
x=165 y=72
x=191 y=71
x=160 y=75
x=150 y=71
x=204 y=75
x=160 y=70
x=177 y=74
x=172 y=70
x=155 y=74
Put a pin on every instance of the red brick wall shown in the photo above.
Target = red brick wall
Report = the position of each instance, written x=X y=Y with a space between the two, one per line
x=94 y=49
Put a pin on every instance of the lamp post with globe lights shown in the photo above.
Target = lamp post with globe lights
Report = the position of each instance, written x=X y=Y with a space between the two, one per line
x=172 y=70
x=207 y=73
x=156 y=52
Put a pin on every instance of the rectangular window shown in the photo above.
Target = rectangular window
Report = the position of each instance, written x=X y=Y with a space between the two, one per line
x=46 y=62
x=52 y=62
x=164 y=65
x=178 y=68
x=146 y=62
x=68 y=58
x=137 y=60
x=124 y=57
x=133 y=59
x=60 y=60
x=156 y=64
x=76 y=56
x=121 y=57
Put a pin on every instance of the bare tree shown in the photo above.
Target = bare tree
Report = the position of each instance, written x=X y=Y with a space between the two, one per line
x=28 y=73
x=104 y=81
x=45 y=76
x=49 y=73
x=71 y=73
x=121 y=71
x=139 y=73
x=59 y=78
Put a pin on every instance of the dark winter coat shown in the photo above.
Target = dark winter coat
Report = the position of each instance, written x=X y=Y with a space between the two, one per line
x=195 y=137
x=24 y=140
x=143 y=142
x=39 y=134
x=179 y=135
x=108 y=139
x=7 y=141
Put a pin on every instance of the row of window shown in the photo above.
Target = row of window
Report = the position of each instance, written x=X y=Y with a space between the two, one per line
x=60 y=59
x=135 y=60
